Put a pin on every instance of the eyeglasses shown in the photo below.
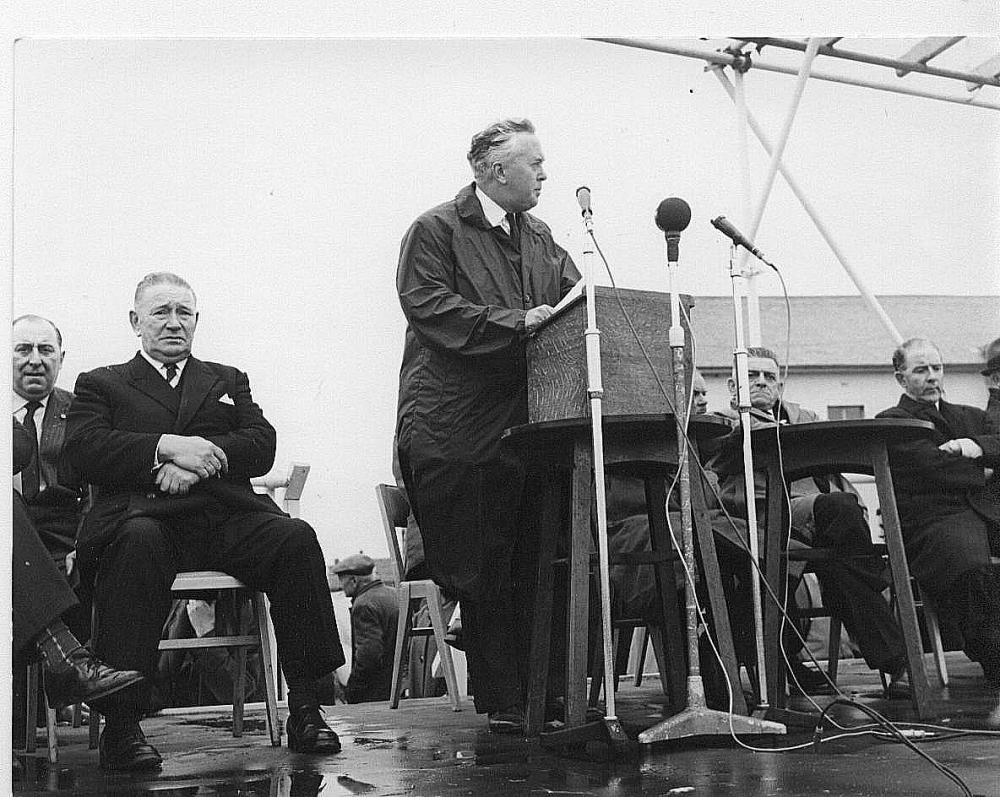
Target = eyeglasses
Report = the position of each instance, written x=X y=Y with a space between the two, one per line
x=769 y=376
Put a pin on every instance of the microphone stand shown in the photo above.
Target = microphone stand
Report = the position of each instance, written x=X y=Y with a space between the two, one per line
x=610 y=728
x=749 y=487
x=696 y=719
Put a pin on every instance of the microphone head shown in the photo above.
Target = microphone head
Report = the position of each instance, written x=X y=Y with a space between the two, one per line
x=673 y=214
x=583 y=197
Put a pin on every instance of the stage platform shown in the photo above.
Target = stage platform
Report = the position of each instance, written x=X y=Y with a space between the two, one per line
x=423 y=748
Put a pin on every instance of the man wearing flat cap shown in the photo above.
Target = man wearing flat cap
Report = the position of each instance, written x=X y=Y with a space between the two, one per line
x=374 y=611
x=992 y=374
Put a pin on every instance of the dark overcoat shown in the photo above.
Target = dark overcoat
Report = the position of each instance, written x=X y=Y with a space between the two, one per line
x=947 y=510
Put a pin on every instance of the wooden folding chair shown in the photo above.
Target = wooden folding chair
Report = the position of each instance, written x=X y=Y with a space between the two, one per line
x=395 y=511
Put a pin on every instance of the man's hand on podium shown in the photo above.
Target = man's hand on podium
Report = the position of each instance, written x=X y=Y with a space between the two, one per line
x=536 y=316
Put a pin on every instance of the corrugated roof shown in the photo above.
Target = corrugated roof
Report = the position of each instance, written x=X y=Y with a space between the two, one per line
x=828 y=331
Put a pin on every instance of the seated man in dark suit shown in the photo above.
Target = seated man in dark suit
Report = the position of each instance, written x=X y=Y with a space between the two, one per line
x=52 y=490
x=825 y=512
x=170 y=443
x=946 y=489
x=40 y=597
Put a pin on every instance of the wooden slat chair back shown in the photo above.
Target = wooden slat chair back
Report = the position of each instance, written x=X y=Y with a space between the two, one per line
x=261 y=636
x=395 y=511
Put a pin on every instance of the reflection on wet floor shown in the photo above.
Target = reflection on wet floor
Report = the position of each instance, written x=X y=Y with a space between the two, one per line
x=423 y=748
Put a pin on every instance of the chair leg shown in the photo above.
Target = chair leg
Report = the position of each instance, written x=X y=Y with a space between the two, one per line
x=934 y=632
x=50 y=732
x=444 y=650
x=403 y=619
x=239 y=688
x=643 y=647
x=94 y=729
x=833 y=649
x=270 y=685
x=660 y=653
x=31 y=708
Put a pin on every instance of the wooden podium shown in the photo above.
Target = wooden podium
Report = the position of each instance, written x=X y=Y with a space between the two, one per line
x=557 y=360
x=640 y=437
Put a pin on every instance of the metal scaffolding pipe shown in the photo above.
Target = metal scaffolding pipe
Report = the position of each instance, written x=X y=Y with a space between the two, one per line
x=869 y=297
x=879 y=60
x=727 y=59
x=743 y=155
x=779 y=150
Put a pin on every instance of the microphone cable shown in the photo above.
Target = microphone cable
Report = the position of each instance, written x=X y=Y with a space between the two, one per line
x=893 y=729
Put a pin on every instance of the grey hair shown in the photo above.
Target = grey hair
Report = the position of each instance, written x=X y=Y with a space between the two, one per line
x=493 y=144
x=899 y=355
x=160 y=278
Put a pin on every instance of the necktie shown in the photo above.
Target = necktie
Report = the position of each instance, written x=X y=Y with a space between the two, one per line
x=171 y=369
x=515 y=230
x=29 y=476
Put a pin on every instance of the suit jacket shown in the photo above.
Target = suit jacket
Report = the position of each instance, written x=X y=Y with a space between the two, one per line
x=114 y=426
x=931 y=484
x=58 y=509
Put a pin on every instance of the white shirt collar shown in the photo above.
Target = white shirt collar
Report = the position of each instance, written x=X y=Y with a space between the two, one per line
x=20 y=402
x=495 y=215
x=161 y=367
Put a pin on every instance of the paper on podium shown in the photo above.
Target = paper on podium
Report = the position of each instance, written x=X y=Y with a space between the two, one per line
x=571 y=296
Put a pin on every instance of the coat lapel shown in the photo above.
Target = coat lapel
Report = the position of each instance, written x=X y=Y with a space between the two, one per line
x=144 y=378
x=925 y=411
x=196 y=382
x=53 y=433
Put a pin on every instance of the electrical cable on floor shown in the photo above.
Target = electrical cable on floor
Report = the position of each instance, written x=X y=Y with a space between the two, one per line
x=892 y=730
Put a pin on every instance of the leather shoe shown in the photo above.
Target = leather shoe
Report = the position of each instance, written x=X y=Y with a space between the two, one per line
x=87 y=680
x=309 y=733
x=124 y=749
x=510 y=721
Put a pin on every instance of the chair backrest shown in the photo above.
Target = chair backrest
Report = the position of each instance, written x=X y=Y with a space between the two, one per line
x=395 y=511
x=292 y=480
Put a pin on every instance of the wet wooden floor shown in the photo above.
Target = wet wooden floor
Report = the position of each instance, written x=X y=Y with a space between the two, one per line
x=423 y=748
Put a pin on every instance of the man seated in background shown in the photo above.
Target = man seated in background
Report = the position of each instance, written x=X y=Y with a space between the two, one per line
x=825 y=513
x=992 y=374
x=53 y=492
x=170 y=443
x=946 y=491
x=40 y=597
x=374 y=615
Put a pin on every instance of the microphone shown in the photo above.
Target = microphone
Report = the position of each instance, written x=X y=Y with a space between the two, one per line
x=583 y=197
x=727 y=228
x=672 y=216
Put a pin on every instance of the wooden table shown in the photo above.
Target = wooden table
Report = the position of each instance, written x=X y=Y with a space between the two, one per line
x=640 y=445
x=813 y=449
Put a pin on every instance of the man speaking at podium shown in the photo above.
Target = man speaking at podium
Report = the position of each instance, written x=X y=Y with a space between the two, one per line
x=477 y=275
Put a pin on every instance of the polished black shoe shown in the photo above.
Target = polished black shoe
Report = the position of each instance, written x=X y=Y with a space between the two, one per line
x=510 y=721
x=309 y=733
x=124 y=749
x=87 y=680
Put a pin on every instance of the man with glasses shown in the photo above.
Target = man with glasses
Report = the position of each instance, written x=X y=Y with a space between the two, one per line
x=825 y=513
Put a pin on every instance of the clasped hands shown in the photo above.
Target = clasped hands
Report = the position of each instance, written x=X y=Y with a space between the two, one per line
x=187 y=460
x=967 y=448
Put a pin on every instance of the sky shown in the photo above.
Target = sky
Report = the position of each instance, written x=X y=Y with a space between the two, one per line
x=279 y=175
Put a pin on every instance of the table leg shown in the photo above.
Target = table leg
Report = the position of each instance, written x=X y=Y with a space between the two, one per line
x=579 y=584
x=541 y=632
x=709 y=564
x=901 y=579
x=666 y=586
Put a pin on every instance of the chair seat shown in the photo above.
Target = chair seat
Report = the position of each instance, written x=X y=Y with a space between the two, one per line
x=196 y=580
